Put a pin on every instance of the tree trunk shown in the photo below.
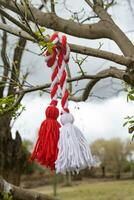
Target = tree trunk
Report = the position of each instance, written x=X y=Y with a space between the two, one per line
x=55 y=184
x=118 y=174
x=12 y=157
x=68 y=179
x=103 y=171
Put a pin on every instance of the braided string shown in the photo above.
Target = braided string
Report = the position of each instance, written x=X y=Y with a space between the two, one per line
x=63 y=58
x=51 y=60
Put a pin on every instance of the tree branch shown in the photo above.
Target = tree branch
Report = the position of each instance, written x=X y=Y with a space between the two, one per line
x=16 y=22
x=88 y=88
x=21 y=194
x=111 y=72
x=116 y=34
x=16 y=63
x=122 y=60
x=52 y=21
x=100 y=11
x=52 y=6
x=105 y=28
x=16 y=32
x=6 y=64
x=89 y=3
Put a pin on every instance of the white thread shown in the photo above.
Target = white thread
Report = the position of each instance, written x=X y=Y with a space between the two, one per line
x=47 y=57
x=56 y=40
x=53 y=68
x=66 y=56
x=56 y=78
x=74 y=153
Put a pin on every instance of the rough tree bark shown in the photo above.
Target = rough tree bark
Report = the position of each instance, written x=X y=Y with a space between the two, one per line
x=12 y=156
x=21 y=194
x=103 y=168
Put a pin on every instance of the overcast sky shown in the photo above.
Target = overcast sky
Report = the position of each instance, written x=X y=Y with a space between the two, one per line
x=97 y=117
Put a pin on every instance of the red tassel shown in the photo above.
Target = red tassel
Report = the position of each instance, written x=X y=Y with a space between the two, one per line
x=46 y=148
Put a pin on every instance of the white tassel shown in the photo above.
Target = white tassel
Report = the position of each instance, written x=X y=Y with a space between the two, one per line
x=74 y=152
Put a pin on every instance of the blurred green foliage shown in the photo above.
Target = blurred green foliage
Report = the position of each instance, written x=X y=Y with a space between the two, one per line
x=129 y=120
x=6 y=196
x=7 y=105
x=30 y=166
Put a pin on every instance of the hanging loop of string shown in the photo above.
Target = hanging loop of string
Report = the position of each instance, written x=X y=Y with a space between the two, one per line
x=64 y=150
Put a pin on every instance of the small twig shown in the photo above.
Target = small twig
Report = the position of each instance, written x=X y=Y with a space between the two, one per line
x=111 y=72
x=52 y=6
x=15 y=104
x=77 y=91
x=13 y=20
x=79 y=63
x=12 y=80
x=89 y=3
x=75 y=15
x=34 y=19
x=69 y=76
x=23 y=17
x=89 y=18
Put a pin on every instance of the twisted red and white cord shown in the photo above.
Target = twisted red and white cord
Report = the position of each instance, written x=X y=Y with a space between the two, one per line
x=63 y=59
x=58 y=61
x=51 y=60
x=73 y=150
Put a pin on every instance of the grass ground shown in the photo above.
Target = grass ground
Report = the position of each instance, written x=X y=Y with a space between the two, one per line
x=94 y=190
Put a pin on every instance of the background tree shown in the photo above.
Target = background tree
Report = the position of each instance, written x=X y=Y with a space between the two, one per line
x=12 y=156
x=113 y=155
x=100 y=152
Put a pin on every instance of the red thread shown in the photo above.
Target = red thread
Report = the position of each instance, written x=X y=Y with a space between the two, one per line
x=63 y=77
x=46 y=148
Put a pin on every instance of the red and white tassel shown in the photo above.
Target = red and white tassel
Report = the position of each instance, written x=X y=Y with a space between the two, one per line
x=69 y=150
x=73 y=150
x=46 y=148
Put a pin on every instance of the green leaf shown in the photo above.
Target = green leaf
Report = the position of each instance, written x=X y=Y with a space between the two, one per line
x=131 y=97
x=42 y=30
x=125 y=123
x=132 y=137
x=7 y=103
x=42 y=43
x=50 y=47
x=7 y=196
x=131 y=91
x=131 y=121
